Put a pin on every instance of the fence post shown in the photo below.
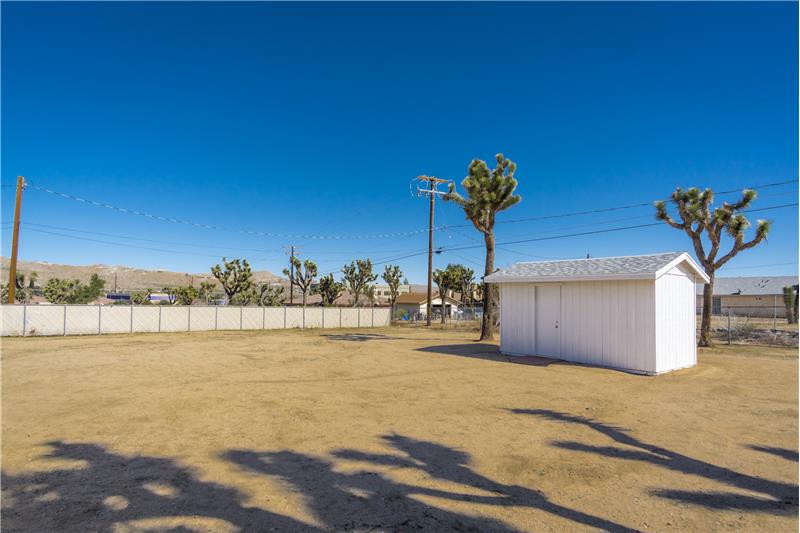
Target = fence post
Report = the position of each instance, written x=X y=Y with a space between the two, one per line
x=24 y=317
x=373 y=316
x=263 y=318
x=65 y=320
x=132 y=306
x=99 y=318
x=340 y=318
x=304 y=318
x=358 y=310
x=159 y=317
x=189 y=318
x=774 y=314
x=284 y=317
x=216 y=314
x=241 y=323
x=323 y=316
x=729 y=325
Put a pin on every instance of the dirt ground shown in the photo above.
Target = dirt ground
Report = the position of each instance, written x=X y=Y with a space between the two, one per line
x=387 y=430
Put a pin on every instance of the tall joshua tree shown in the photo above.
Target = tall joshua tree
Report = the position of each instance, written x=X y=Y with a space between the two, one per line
x=488 y=193
x=444 y=282
x=392 y=275
x=699 y=220
x=329 y=289
x=302 y=277
x=235 y=276
x=357 y=276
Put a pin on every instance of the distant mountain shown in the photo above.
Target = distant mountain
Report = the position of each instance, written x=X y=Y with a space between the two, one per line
x=126 y=278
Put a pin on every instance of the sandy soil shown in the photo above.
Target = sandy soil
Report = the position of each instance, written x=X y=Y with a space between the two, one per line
x=387 y=430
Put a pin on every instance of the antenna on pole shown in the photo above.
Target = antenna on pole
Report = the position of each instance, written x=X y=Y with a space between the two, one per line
x=431 y=192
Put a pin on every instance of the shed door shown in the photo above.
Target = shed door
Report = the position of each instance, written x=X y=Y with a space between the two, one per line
x=548 y=317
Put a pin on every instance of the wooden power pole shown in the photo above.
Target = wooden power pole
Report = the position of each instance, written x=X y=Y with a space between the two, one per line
x=12 y=267
x=431 y=191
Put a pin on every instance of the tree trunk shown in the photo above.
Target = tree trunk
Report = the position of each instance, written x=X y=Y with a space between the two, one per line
x=705 y=323
x=487 y=324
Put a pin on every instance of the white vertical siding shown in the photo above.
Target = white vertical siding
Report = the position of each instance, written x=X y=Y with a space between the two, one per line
x=675 y=319
x=608 y=323
x=518 y=319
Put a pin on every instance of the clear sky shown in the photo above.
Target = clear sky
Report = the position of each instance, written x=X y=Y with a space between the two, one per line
x=311 y=119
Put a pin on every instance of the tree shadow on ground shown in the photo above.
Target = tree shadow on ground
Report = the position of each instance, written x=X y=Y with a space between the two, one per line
x=789 y=455
x=778 y=498
x=121 y=493
x=364 y=499
x=358 y=337
x=489 y=352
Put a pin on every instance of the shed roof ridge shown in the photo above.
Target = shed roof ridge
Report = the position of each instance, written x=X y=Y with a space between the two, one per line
x=677 y=253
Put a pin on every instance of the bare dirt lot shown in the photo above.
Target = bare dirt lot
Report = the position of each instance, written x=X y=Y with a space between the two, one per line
x=387 y=430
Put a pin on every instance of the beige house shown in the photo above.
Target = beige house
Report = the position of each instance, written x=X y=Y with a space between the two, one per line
x=760 y=296
x=414 y=305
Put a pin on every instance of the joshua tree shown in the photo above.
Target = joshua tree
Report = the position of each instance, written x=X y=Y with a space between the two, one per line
x=304 y=277
x=463 y=280
x=59 y=291
x=32 y=278
x=235 y=276
x=141 y=297
x=391 y=275
x=207 y=288
x=488 y=193
x=245 y=297
x=357 y=276
x=444 y=282
x=270 y=295
x=789 y=300
x=186 y=295
x=329 y=289
x=696 y=219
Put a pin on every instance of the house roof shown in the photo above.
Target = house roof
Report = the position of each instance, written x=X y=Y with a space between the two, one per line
x=751 y=285
x=597 y=269
x=419 y=298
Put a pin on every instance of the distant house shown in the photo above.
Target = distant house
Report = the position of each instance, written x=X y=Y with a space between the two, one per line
x=414 y=305
x=383 y=293
x=751 y=296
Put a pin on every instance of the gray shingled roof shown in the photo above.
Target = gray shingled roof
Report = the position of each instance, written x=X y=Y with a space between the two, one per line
x=751 y=285
x=628 y=267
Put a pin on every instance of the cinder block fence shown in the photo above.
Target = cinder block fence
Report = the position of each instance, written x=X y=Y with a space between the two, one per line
x=36 y=320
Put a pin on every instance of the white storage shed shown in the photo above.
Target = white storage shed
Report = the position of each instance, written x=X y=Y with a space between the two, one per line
x=634 y=313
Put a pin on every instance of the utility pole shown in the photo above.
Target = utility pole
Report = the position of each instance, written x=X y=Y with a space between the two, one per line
x=292 y=251
x=12 y=267
x=431 y=191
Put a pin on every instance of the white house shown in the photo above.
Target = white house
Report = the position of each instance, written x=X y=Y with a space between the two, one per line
x=634 y=313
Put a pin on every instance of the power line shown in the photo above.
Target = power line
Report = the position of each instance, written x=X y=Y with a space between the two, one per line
x=221 y=228
x=619 y=208
x=124 y=244
x=356 y=237
x=609 y=230
x=147 y=240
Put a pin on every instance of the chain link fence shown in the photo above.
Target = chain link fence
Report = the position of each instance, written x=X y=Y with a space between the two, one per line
x=462 y=317
x=24 y=320
x=751 y=325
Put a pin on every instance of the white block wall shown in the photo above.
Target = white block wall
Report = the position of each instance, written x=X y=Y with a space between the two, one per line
x=37 y=320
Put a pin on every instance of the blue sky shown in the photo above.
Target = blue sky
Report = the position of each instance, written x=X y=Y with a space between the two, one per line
x=311 y=119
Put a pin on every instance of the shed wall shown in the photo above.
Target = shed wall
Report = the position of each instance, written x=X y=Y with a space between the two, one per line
x=608 y=323
x=675 y=320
